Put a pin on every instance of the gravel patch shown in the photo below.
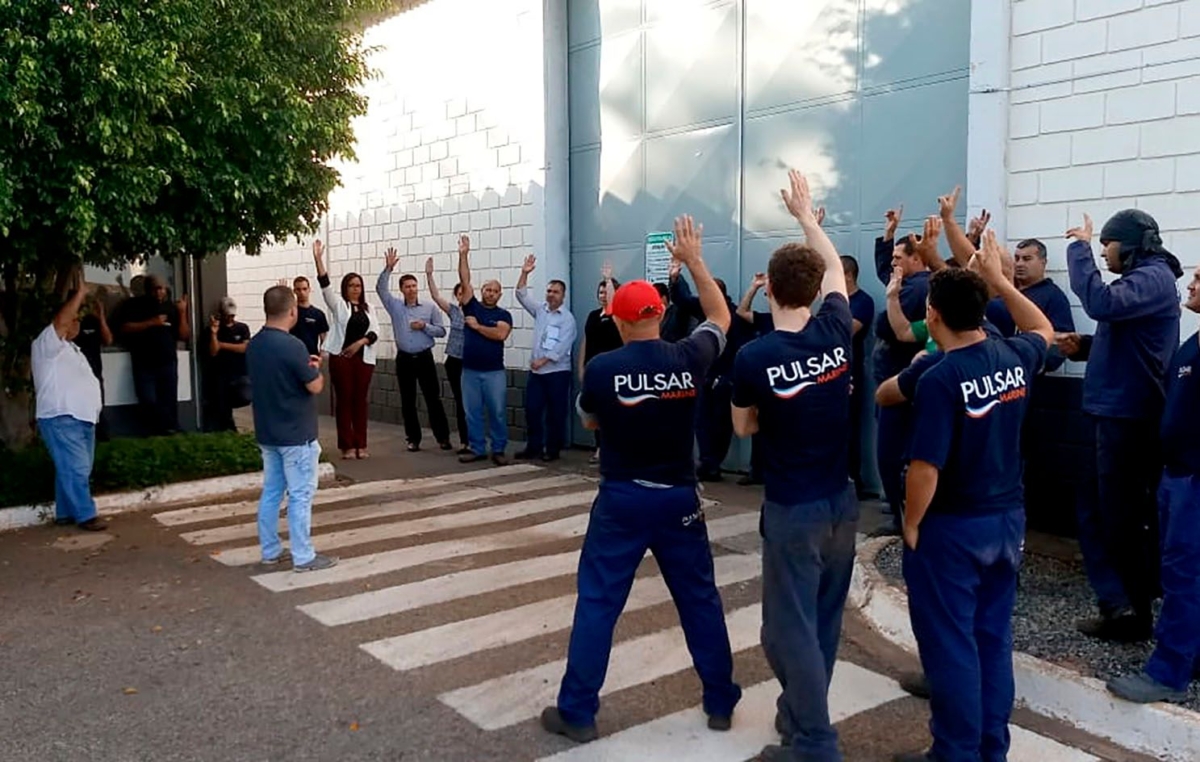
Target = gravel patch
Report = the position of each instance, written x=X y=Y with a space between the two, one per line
x=1051 y=595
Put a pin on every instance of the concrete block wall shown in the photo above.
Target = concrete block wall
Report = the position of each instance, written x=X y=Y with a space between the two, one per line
x=1104 y=115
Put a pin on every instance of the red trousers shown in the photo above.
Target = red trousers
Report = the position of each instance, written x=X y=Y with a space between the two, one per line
x=351 y=387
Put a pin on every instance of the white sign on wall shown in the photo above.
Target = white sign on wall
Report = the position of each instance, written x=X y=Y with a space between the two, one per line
x=658 y=259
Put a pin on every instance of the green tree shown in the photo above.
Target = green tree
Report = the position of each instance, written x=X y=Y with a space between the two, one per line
x=131 y=128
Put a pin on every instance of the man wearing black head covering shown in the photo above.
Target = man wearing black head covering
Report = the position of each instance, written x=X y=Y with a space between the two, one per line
x=1137 y=332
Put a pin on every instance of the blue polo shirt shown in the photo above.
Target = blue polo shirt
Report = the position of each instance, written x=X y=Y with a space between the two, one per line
x=479 y=353
x=285 y=411
x=969 y=410
x=800 y=383
x=643 y=396
x=1181 y=448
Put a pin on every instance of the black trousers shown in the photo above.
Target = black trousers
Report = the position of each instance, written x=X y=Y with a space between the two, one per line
x=454 y=376
x=157 y=390
x=412 y=370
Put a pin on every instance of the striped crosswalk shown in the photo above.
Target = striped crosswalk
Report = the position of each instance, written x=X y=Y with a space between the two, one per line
x=461 y=544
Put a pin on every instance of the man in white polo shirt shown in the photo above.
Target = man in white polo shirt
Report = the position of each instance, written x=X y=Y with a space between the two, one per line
x=68 y=406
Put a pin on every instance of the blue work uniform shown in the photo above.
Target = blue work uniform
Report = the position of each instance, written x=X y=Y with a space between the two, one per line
x=799 y=381
x=643 y=397
x=1053 y=303
x=962 y=577
x=1137 y=332
x=1177 y=650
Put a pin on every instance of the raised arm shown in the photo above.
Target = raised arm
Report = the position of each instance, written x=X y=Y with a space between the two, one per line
x=106 y=334
x=390 y=258
x=744 y=310
x=464 y=269
x=687 y=249
x=67 y=314
x=926 y=248
x=185 y=321
x=960 y=245
x=886 y=243
x=895 y=313
x=431 y=284
x=799 y=202
x=1028 y=317
x=523 y=286
x=318 y=250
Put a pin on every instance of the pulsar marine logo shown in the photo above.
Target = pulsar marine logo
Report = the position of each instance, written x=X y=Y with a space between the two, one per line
x=983 y=394
x=635 y=388
x=801 y=374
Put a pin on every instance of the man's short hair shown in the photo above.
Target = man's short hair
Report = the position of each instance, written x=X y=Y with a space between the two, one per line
x=1034 y=244
x=721 y=285
x=300 y=279
x=906 y=243
x=960 y=296
x=557 y=282
x=278 y=301
x=794 y=275
x=850 y=265
x=407 y=277
x=663 y=291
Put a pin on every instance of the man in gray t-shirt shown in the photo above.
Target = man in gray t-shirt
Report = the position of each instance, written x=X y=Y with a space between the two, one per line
x=286 y=380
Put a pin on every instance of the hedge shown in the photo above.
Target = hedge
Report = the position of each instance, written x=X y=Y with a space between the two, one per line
x=27 y=475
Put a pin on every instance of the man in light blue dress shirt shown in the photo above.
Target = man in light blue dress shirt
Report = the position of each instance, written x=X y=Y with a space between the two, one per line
x=549 y=387
x=415 y=324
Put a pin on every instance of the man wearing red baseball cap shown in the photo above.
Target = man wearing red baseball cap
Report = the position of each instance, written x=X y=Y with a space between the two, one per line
x=643 y=397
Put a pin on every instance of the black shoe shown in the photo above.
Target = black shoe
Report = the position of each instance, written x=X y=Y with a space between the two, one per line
x=93 y=524
x=471 y=457
x=445 y=445
x=465 y=450
x=553 y=722
x=785 y=738
x=749 y=480
x=915 y=684
x=525 y=454
x=1140 y=688
x=550 y=457
x=500 y=459
x=413 y=447
x=710 y=476
x=63 y=522
x=1122 y=626
x=720 y=722
x=776 y=753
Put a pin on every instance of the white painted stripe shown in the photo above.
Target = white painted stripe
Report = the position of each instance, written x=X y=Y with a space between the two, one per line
x=384 y=510
x=450 y=641
x=369 y=565
x=392 y=531
x=414 y=595
x=854 y=690
x=336 y=494
x=1028 y=746
x=516 y=697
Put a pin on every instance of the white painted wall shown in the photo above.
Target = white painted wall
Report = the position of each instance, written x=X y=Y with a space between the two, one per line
x=455 y=141
x=1104 y=114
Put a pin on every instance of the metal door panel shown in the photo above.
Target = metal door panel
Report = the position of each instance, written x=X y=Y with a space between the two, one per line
x=800 y=51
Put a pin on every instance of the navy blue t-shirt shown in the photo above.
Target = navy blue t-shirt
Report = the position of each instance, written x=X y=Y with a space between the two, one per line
x=800 y=383
x=285 y=412
x=1181 y=416
x=969 y=410
x=862 y=309
x=643 y=396
x=891 y=354
x=479 y=353
x=310 y=324
x=1053 y=303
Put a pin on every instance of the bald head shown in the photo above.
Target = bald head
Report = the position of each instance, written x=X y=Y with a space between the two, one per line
x=491 y=292
x=156 y=287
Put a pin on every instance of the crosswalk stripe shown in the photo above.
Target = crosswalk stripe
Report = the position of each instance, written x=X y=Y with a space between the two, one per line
x=414 y=595
x=518 y=696
x=214 y=512
x=1028 y=746
x=854 y=690
x=385 y=510
x=369 y=565
x=464 y=637
x=395 y=530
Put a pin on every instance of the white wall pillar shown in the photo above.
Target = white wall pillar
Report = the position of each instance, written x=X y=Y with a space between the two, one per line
x=987 y=111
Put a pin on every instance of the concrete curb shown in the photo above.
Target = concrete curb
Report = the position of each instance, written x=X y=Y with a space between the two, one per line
x=154 y=497
x=1163 y=731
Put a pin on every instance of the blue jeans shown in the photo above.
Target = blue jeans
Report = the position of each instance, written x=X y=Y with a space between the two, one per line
x=72 y=446
x=626 y=519
x=485 y=393
x=294 y=470
x=1178 y=630
x=808 y=558
x=546 y=403
x=962 y=585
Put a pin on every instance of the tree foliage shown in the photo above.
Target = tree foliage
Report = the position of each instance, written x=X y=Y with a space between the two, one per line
x=131 y=128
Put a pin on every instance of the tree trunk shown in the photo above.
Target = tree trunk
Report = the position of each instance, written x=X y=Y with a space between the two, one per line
x=16 y=427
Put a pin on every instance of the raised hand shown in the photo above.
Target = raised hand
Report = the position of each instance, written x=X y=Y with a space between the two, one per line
x=283 y=282
x=529 y=264
x=214 y=324
x=759 y=281
x=674 y=267
x=948 y=203
x=798 y=199
x=926 y=248
x=429 y=266
x=464 y=245
x=820 y=215
x=318 y=250
x=895 y=282
x=1084 y=233
x=687 y=244
x=892 y=217
x=606 y=270
x=390 y=258
x=989 y=259
x=978 y=224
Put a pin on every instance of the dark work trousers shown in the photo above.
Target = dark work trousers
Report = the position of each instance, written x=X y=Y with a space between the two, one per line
x=714 y=424
x=962 y=585
x=626 y=520
x=808 y=558
x=454 y=376
x=1177 y=650
x=411 y=370
x=222 y=404
x=352 y=386
x=546 y=403
x=856 y=420
x=891 y=452
x=157 y=389
x=756 y=456
x=1118 y=515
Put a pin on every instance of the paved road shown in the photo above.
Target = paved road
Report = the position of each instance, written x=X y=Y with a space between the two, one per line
x=440 y=635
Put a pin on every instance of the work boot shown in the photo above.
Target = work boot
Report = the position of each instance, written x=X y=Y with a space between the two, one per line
x=785 y=738
x=720 y=722
x=1120 y=626
x=776 y=753
x=915 y=684
x=1143 y=689
x=553 y=722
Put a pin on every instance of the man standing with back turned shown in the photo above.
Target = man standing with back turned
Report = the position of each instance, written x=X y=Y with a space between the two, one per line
x=792 y=387
x=286 y=380
x=643 y=397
